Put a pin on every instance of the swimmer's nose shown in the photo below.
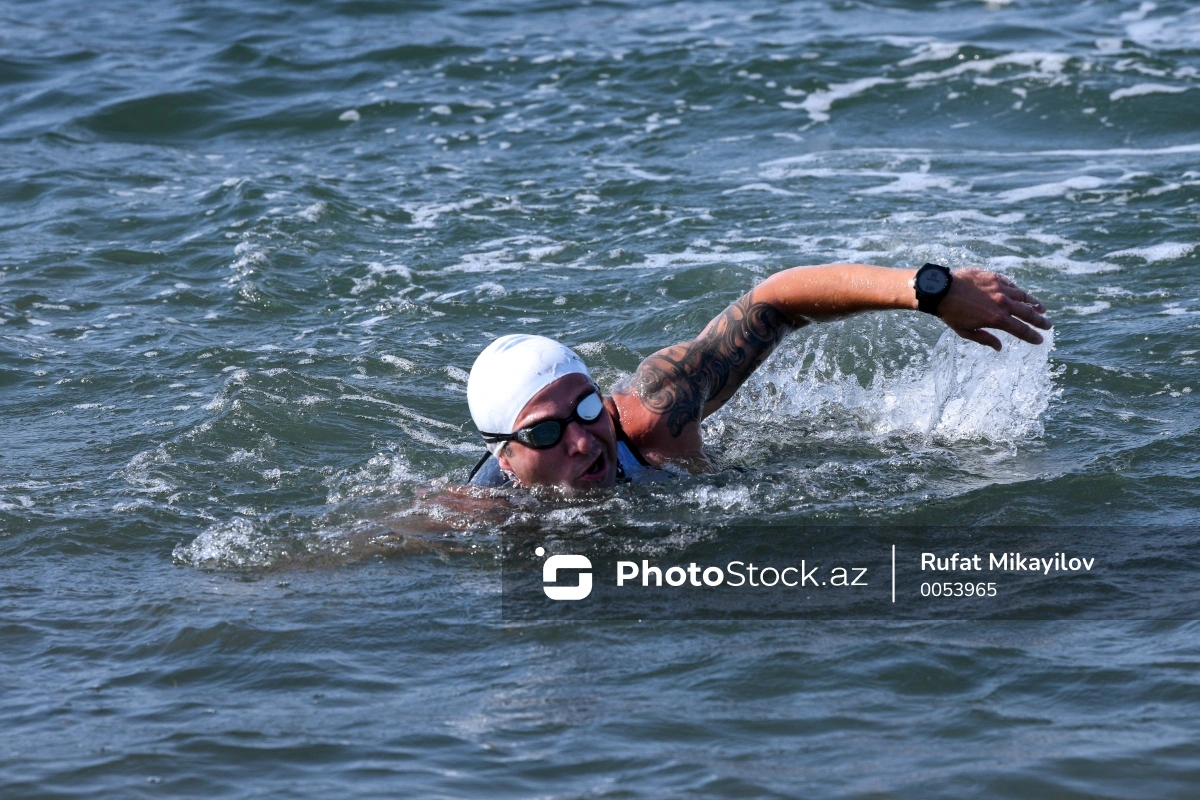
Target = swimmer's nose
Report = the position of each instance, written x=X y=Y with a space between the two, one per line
x=577 y=439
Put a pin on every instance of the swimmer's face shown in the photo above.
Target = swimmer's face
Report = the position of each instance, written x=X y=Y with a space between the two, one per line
x=586 y=455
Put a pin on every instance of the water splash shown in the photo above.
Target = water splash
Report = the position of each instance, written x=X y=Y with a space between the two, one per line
x=239 y=543
x=998 y=397
x=246 y=545
x=865 y=380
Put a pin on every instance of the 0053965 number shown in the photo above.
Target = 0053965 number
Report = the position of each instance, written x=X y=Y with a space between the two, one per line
x=949 y=589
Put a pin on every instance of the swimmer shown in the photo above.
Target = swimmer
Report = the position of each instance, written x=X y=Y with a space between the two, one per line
x=546 y=423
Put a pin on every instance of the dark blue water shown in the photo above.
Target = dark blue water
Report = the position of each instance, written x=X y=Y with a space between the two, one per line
x=249 y=252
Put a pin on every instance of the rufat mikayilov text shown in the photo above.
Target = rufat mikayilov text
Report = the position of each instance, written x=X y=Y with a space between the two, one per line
x=1006 y=562
x=738 y=574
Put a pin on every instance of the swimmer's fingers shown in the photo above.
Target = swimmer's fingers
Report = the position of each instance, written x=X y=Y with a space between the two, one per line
x=980 y=298
x=1023 y=300
x=1010 y=324
x=980 y=335
x=1027 y=311
x=1002 y=322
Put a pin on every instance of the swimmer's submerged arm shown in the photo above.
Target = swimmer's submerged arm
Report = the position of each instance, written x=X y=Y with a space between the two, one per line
x=663 y=402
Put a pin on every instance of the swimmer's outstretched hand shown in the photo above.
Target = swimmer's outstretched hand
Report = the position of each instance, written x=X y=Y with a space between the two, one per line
x=981 y=299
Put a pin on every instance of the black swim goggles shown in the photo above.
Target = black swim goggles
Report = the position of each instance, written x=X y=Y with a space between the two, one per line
x=549 y=432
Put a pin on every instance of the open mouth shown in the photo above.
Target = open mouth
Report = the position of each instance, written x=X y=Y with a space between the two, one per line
x=596 y=469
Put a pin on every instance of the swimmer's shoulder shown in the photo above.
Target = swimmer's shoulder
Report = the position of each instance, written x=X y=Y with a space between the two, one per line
x=657 y=436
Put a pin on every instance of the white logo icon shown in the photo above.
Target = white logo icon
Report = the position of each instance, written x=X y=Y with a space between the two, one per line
x=565 y=562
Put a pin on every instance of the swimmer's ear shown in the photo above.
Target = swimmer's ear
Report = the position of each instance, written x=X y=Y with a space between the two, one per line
x=502 y=458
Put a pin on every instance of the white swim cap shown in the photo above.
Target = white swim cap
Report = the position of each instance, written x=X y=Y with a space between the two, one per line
x=509 y=372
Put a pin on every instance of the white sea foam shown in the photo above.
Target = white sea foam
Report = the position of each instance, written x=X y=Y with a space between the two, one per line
x=862 y=164
x=376 y=268
x=853 y=154
x=1045 y=66
x=371 y=322
x=489 y=290
x=20 y=502
x=915 y=182
x=401 y=364
x=1049 y=67
x=1088 y=310
x=250 y=256
x=759 y=187
x=819 y=103
x=1057 y=261
x=1053 y=189
x=312 y=213
x=1166 y=251
x=932 y=51
x=425 y=215
x=420 y=433
x=975 y=215
x=240 y=455
x=638 y=172
x=1166 y=31
x=726 y=498
x=689 y=256
x=492 y=261
x=1176 y=309
x=1142 y=11
x=546 y=251
x=1144 y=89
x=378 y=477
x=139 y=475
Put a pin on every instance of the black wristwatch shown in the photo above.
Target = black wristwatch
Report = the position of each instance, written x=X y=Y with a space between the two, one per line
x=932 y=284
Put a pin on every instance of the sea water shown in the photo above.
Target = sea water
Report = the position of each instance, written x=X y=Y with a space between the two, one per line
x=250 y=251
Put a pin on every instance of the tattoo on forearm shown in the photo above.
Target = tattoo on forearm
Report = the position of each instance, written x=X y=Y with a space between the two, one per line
x=678 y=381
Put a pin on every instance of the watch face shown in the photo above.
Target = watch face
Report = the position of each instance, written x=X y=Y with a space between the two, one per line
x=931 y=281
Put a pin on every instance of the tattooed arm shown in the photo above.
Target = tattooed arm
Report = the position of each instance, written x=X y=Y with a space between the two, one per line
x=660 y=406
